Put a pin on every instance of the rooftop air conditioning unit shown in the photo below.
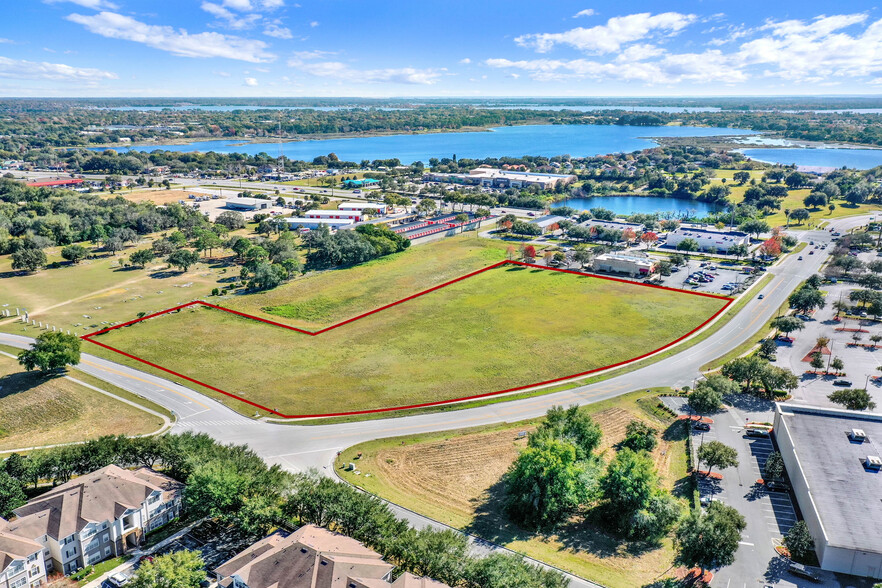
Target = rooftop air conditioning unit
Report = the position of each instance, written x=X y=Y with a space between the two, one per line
x=858 y=435
x=874 y=462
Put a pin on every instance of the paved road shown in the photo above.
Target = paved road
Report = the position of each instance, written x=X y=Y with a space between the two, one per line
x=298 y=448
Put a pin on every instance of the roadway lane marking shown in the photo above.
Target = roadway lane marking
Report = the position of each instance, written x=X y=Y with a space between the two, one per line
x=136 y=378
x=745 y=543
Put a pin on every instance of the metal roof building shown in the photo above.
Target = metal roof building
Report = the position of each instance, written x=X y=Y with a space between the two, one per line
x=831 y=459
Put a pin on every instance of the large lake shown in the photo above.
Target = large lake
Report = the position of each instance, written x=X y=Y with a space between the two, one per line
x=626 y=205
x=855 y=158
x=547 y=140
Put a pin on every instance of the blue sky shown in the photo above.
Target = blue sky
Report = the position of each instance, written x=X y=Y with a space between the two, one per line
x=451 y=48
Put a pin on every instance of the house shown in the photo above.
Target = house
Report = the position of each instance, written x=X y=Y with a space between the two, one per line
x=247 y=203
x=21 y=561
x=620 y=263
x=708 y=238
x=548 y=223
x=312 y=557
x=98 y=515
x=832 y=461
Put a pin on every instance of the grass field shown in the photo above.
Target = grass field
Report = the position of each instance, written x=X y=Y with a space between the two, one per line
x=454 y=477
x=503 y=328
x=43 y=411
x=101 y=289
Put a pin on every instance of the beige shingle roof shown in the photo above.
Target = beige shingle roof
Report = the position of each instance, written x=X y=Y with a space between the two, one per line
x=13 y=547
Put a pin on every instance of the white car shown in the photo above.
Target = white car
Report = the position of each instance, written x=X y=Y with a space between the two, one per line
x=118 y=580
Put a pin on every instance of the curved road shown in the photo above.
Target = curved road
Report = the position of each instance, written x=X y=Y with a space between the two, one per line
x=298 y=448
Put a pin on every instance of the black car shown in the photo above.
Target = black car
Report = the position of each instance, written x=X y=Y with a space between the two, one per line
x=777 y=487
x=700 y=426
x=807 y=572
x=842 y=383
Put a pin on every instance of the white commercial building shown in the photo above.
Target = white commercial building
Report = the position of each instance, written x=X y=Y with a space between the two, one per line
x=295 y=223
x=247 y=203
x=832 y=461
x=359 y=206
x=613 y=225
x=489 y=177
x=548 y=222
x=352 y=215
x=708 y=238
x=621 y=263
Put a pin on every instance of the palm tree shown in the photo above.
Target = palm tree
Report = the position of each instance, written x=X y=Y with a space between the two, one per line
x=787 y=216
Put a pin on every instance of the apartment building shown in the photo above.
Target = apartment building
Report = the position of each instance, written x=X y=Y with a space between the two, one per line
x=21 y=561
x=96 y=516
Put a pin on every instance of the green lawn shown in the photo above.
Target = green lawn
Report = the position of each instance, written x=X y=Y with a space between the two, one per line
x=36 y=410
x=455 y=477
x=503 y=328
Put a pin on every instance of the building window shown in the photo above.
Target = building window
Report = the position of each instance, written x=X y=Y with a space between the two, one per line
x=105 y=538
x=35 y=571
x=33 y=556
x=19 y=583
x=107 y=551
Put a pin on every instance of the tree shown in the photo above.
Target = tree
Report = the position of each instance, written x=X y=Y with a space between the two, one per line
x=183 y=259
x=715 y=454
x=626 y=487
x=545 y=484
x=11 y=494
x=708 y=394
x=800 y=215
x=573 y=425
x=771 y=247
x=51 y=351
x=817 y=361
x=28 y=259
x=837 y=364
x=742 y=177
x=709 y=540
x=799 y=542
x=178 y=569
x=853 y=399
x=745 y=370
x=787 y=324
x=774 y=468
x=231 y=220
x=74 y=253
x=207 y=241
x=687 y=244
x=754 y=227
x=649 y=239
x=142 y=257
x=528 y=252
x=738 y=251
x=775 y=378
x=639 y=436
x=806 y=299
x=267 y=276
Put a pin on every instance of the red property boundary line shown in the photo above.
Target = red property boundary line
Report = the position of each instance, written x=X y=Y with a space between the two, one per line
x=89 y=337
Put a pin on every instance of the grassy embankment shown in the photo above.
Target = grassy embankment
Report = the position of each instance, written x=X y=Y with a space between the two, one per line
x=455 y=477
x=37 y=410
x=501 y=329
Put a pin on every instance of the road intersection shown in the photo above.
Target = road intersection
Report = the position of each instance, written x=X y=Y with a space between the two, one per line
x=298 y=447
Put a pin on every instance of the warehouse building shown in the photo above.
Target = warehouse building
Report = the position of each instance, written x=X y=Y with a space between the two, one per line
x=359 y=206
x=488 y=177
x=832 y=460
x=548 y=223
x=708 y=238
x=296 y=223
x=353 y=215
x=247 y=203
x=621 y=263
x=613 y=225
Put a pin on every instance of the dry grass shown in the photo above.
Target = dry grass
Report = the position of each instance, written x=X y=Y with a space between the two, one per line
x=35 y=410
x=157 y=196
x=455 y=477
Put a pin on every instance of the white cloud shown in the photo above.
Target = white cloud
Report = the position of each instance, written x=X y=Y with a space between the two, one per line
x=33 y=70
x=3 y=41
x=308 y=55
x=223 y=74
x=465 y=61
x=821 y=50
x=586 y=12
x=610 y=37
x=241 y=5
x=341 y=71
x=232 y=20
x=175 y=41
x=314 y=24
x=250 y=81
x=277 y=31
x=93 y=4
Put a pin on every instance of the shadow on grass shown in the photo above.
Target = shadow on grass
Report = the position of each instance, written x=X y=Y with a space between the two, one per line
x=582 y=533
x=162 y=274
x=16 y=383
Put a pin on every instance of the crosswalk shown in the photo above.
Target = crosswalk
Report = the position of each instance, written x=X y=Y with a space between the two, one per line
x=196 y=425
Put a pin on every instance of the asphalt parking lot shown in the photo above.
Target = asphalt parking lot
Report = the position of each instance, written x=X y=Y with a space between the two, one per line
x=724 y=276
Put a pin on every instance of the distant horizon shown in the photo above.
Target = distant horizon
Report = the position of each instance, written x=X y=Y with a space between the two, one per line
x=452 y=97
